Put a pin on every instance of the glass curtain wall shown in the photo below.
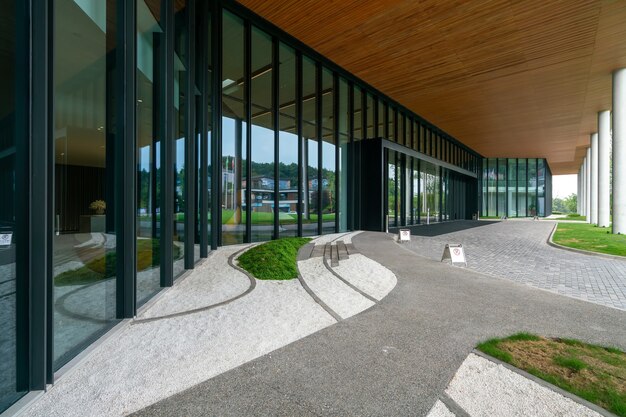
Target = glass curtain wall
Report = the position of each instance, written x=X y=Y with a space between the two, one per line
x=517 y=185
x=148 y=151
x=344 y=144
x=287 y=144
x=233 y=156
x=84 y=245
x=328 y=188
x=392 y=189
x=262 y=152
x=13 y=321
x=180 y=112
x=310 y=185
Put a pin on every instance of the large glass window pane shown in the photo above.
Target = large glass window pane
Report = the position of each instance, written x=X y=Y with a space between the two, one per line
x=416 y=191
x=502 y=167
x=392 y=189
x=209 y=137
x=521 y=188
x=491 y=189
x=84 y=248
x=541 y=187
x=148 y=155
x=11 y=330
x=391 y=121
x=370 y=117
x=415 y=136
x=512 y=187
x=532 y=187
x=329 y=200
x=310 y=186
x=358 y=114
x=262 y=153
x=288 y=144
x=344 y=141
x=180 y=85
x=381 y=119
x=233 y=131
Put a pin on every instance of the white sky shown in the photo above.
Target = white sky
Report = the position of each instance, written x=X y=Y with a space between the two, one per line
x=564 y=185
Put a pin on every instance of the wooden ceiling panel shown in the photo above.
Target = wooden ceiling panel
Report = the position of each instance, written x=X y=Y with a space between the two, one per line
x=514 y=78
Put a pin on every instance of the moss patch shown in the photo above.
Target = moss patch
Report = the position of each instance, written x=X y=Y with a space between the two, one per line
x=595 y=373
x=273 y=260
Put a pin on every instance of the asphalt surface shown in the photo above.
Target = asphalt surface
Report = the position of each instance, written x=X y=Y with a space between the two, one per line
x=396 y=358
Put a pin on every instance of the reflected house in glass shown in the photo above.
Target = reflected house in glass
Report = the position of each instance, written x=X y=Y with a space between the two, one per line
x=198 y=125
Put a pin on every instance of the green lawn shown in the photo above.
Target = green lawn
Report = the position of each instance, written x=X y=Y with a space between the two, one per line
x=574 y=216
x=592 y=372
x=276 y=259
x=262 y=218
x=589 y=237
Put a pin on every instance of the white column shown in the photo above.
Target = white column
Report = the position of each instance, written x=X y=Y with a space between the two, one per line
x=604 y=168
x=583 y=179
x=619 y=151
x=588 y=185
x=594 y=179
x=579 y=191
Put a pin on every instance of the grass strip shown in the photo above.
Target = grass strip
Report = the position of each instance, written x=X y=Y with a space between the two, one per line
x=275 y=260
x=595 y=373
x=589 y=237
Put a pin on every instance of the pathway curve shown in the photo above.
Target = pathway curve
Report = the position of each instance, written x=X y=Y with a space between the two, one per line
x=398 y=357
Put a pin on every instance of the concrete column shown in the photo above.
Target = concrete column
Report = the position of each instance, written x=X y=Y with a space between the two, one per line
x=583 y=180
x=588 y=185
x=619 y=151
x=604 y=168
x=594 y=179
x=579 y=190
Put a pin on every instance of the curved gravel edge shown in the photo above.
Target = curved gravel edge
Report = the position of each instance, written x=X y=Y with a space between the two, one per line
x=585 y=252
x=209 y=307
x=315 y=298
x=345 y=281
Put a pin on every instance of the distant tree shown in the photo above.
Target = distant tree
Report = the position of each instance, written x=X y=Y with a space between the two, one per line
x=558 y=205
x=570 y=203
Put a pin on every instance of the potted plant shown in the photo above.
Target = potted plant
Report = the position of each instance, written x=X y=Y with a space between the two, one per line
x=98 y=206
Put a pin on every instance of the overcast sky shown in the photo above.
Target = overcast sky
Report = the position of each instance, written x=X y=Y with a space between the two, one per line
x=563 y=185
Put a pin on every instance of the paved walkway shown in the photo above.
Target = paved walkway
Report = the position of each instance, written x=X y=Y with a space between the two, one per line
x=397 y=357
x=517 y=250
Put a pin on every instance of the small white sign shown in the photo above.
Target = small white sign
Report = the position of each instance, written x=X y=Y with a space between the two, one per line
x=6 y=239
x=455 y=253
x=405 y=235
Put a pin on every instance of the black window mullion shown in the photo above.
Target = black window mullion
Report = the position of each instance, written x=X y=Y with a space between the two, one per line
x=318 y=133
x=300 y=139
x=204 y=128
x=216 y=123
x=190 y=136
x=248 y=112
x=276 y=124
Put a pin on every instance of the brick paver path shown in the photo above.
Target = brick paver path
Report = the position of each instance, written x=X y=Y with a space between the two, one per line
x=517 y=250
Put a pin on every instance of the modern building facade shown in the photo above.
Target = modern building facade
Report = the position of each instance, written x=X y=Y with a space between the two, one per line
x=516 y=187
x=138 y=135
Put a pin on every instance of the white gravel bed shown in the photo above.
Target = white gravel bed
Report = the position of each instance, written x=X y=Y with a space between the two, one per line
x=210 y=283
x=484 y=388
x=367 y=275
x=440 y=410
x=148 y=362
x=324 y=239
x=347 y=239
x=338 y=296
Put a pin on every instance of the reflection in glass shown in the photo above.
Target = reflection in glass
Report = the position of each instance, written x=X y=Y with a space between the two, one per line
x=233 y=131
x=344 y=141
x=392 y=189
x=288 y=144
x=84 y=256
x=310 y=186
x=502 y=167
x=148 y=156
x=370 y=117
x=10 y=272
x=262 y=152
x=180 y=85
x=357 y=121
x=381 y=119
x=512 y=187
x=329 y=199
x=532 y=187
x=521 y=188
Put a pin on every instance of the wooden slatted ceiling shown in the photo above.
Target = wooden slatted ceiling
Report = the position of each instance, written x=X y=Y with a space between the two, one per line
x=514 y=78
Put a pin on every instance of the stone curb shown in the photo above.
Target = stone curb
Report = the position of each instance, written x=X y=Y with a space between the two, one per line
x=545 y=384
x=585 y=252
